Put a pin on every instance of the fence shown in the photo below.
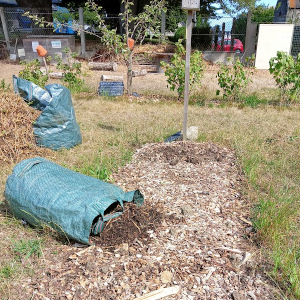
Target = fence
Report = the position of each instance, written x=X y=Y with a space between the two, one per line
x=209 y=34
x=20 y=27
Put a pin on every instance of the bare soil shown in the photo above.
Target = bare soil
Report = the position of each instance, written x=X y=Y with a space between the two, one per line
x=262 y=80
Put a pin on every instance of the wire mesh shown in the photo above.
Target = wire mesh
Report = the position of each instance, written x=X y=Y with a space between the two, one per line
x=296 y=41
x=20 y=26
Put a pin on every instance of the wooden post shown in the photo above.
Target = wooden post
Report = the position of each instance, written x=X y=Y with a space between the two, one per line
x=223 y=36
x=250 y=36
x=216 y=37
x=187 y=71
x=4 y=28
x=232 y=34
x=82 y=34
x=163 y=25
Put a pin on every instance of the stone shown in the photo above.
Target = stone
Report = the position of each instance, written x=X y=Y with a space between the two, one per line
x=192 y=133
x=166 y=276
x=187 y=210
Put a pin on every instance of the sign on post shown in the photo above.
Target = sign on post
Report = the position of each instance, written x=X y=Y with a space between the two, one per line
x=190 y=6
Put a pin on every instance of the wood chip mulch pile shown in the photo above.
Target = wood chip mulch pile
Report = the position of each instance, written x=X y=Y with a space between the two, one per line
x=190 y=240
x=16 y=133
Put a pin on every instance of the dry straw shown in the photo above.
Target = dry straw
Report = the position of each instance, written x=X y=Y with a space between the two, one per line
x=16 y=133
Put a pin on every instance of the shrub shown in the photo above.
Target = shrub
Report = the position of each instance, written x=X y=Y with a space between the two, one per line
x=32 y=72
x=286 y=72
x=175 y=71
x=180 y=34
x=71 y=71
x=201 y=38
x=233 y=78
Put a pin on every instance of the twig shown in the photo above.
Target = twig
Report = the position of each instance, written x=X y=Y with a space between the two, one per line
x=160 y=293
x=230 y=250
x=136 y=226
x=246 y=221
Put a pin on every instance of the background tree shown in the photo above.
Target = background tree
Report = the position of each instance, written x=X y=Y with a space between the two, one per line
x=260 y=14
x=263 y=14
x=42 y=6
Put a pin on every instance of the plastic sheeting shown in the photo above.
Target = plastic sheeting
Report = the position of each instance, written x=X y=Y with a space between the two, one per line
x=34 y=95
x=56 y=127
x=42 y=192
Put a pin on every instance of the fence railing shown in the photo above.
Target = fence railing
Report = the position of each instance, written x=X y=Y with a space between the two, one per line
x=209 y=34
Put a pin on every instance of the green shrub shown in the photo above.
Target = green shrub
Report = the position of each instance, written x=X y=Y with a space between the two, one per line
x=175 y=72
x=233 y=78
x=286 y=72
x=71 y=71
x=201 y=38
x=179 y=34
x=174 y=15
x=32 y=72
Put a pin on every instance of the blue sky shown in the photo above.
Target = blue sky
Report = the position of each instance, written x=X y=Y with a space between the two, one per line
x=268 y=2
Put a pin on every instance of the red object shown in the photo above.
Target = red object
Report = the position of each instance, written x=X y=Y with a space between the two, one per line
x=41 y=51
x=238 y=46
x=130 y=43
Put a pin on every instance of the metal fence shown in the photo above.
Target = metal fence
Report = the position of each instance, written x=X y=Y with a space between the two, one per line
x=209 y=34
x=20 y=26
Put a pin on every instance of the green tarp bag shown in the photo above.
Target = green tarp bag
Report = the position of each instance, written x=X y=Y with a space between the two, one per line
x=42 y=192
x=56 y=127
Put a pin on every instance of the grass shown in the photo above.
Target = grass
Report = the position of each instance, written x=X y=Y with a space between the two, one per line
x=26 y=248
x=266 y=140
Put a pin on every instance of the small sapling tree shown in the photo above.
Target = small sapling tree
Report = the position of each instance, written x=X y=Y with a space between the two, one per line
x=175 y=72
x=286 y=72
x=136 y=29
x=233 y=79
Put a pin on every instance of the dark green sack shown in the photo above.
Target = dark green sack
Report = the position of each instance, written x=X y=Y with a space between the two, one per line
x=42 y=192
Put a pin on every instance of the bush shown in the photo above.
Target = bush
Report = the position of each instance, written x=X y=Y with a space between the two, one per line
x=286 y=72
x=175 y=72
x=32 y=72
x=180 y=34
x=233 y=79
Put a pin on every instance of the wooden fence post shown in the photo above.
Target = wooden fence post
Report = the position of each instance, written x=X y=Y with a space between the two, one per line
x=82 y=34
x=4 y=26
x=223 y=36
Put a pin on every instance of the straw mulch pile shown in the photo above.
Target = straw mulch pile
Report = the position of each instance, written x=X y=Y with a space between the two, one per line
x=17 y=141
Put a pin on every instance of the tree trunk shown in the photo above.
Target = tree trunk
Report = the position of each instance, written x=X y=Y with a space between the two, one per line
x=129 y=75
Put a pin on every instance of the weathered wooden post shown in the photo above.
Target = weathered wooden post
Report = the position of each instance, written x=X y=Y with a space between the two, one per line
x=3 y=20
x=163 y=25
x=232 y=34
x=223 y=36
x=82 y=33
x=190 y=6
